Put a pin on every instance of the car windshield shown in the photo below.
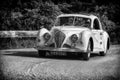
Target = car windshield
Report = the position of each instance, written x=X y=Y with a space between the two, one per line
x=73 y=21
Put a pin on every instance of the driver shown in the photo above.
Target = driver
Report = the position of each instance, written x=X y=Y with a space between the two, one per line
x=70 y=21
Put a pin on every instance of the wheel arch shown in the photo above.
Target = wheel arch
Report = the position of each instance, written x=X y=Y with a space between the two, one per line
x=86 y=38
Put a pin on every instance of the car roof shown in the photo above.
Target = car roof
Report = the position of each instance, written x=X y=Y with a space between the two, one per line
x=91 y=16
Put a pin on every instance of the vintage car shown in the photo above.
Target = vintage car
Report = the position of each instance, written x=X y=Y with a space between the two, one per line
x=76 y=34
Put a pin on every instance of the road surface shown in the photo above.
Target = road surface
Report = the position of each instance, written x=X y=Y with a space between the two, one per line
x=26 y=64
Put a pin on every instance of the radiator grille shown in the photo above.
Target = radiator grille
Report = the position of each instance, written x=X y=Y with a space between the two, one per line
x=59 y=38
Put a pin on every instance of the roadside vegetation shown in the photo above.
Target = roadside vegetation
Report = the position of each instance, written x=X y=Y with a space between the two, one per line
x=34 y=14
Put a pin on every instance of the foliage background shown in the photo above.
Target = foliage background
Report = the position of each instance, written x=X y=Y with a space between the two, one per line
x=34 y=14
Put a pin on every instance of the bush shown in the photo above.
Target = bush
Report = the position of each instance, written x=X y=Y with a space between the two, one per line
x=41 y=14
x=12 y=43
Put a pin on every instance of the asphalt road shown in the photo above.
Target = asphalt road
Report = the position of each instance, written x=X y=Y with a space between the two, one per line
x=26 y=64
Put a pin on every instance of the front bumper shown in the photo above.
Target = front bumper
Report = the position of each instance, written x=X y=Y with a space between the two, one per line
x=60 y=49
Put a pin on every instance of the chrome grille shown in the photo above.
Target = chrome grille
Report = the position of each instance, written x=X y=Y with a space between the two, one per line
x=59 y=38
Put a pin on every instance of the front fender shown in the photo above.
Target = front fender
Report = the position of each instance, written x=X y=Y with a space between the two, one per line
x=86 y=35
x=40 y=34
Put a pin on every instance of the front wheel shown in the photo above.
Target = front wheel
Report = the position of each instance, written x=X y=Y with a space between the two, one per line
x=41 y=53
x=86 y=56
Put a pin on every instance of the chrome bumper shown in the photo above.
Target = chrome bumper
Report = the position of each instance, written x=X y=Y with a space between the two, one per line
x=59 y=49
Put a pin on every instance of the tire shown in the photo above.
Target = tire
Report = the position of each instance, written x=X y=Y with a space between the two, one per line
x=41 y=53
x=102 y=53
x=86 y=56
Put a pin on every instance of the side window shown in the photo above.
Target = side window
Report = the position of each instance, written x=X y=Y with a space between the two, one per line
x=96 y=24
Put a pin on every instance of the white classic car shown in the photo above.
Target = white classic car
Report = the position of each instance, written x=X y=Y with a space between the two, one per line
x=74 y=33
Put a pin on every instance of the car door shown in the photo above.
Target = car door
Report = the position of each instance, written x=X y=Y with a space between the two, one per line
x=97 y=35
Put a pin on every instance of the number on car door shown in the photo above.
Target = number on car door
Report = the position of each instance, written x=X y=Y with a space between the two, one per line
x=98 y=34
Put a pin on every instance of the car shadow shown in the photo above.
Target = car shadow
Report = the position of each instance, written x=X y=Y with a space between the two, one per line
x=34 y=54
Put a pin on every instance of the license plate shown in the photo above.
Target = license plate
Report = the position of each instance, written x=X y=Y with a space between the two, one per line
x=58 y=53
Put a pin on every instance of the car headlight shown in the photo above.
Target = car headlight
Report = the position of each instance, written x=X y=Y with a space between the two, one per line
x=74 y=38
x=46 y=36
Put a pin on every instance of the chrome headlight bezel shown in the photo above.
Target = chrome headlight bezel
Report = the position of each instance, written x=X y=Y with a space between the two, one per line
x=74 y=38
x=46 y=36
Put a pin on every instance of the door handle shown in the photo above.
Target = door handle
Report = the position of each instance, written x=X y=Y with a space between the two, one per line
x=101 y=33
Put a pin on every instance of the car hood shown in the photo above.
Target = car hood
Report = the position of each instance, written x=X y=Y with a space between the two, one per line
x=70 y=29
